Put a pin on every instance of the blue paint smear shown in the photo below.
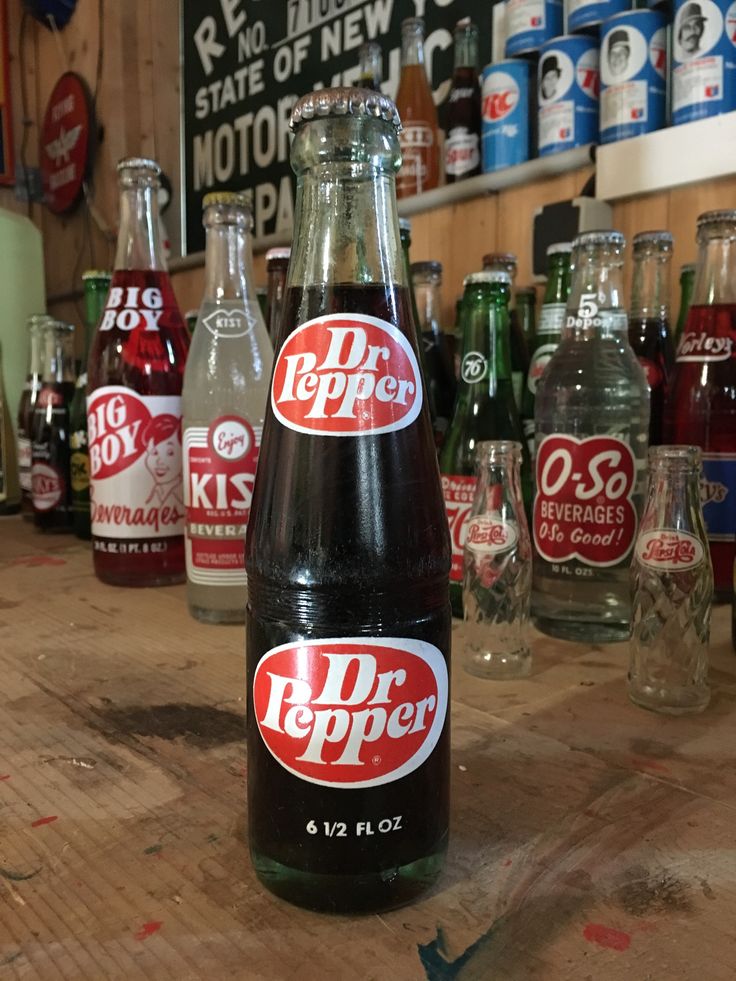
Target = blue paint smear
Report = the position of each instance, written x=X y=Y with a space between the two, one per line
x=436 y=965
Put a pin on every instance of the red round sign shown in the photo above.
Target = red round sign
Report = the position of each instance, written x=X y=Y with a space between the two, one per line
x=65 y=143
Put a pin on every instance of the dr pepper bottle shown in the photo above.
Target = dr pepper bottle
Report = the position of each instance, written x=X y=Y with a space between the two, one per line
x=347 y=548
x=134 y=381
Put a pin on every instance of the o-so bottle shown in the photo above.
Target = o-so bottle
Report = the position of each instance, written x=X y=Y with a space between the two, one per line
x=462 y=143
x=96 y=286
x=50 y=450
x=223 y=402
x=370 y=65
x=507 y=262
x=484 y=408
x=134 y=402
x=687 y=281
x=420 y=152
x=347 y=550
x=25 y=410
x=10 y=496
x=438 y=370
x=592 y=424
x=701 y=405
x=649 y=320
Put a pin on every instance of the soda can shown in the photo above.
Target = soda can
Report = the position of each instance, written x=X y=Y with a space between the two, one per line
x=568 y=93
x=703 y=59
x=587 y=15
x=506 y=97
x=529 y=23
x=633 y=74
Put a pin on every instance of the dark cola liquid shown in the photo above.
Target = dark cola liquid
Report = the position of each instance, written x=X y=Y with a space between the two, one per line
x=347 y=537
x=652 y=344
x=462 y=143
x=51 y=488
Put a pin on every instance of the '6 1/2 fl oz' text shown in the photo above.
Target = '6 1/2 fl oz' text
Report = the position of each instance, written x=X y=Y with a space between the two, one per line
x=361 y=829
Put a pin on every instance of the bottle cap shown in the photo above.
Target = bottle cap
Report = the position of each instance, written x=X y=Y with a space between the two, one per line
x=404 y=225
x=600 y=237
x=96 y=274
x=688 y=267
x=343 y=101
x=429 y=268
x=36 y=319
x=500 y=258
x=712 y=216
x=240 y=199
x=653 y=238
x=139 y=163
x=280 y=253
x=557 y=248
x=488 y=276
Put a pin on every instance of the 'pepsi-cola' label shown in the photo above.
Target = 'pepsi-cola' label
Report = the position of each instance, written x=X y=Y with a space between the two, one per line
x=703 y=59
x=669 y=550
x=529 y=23
x=718 y=495
x=351 y=712
x=458 y=493
x=491 y=534
x=505 y=114
x=568 y=79
x=346 y=375
x=583 y=509
x=219 y=473
x=135 y=462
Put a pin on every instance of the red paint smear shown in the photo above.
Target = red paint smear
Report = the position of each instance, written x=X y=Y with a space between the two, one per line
x=5 y=776
x=605 y=936
x=35 y=560
x=148 y=929
x=47 y=820
x=650 y=764
x=507 y=863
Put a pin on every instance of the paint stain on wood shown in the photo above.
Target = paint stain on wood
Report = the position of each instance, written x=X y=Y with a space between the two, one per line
x=5 y=776
x=198 y=725
x=12 y=876
x=32 y=561
x=49 y=819
x=148 y=929
x=643 y=891
x=605 y=936
x=153 y=849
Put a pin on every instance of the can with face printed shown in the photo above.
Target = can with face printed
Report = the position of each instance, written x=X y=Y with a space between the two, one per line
x=506 y=93
x=568 y=93
x=587 y=15
x=633 y=71
x=529 y=23
x=703 y=59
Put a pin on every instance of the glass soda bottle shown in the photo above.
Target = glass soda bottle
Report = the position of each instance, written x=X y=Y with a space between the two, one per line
x=439 y=374
x=415 y=326
x=484 y=408
x=134 y=381
x=592 y=425
x=462 y=142
x=277 y=263
x=507 y=262
x=347 y=549
x=223 y=403
x=687 y=281
x=10 y=494
x=526 y=311
x=672 y=589
x=701 y=405
x=420 y=152
x=649 y=320
x=25 y=410
x=96 y=285
x=548 y=333
x=370 y=65
x=51 y=485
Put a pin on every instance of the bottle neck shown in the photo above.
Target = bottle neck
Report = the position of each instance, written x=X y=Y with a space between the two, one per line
x=715 y=274
x=672 y=499
x=139 y=239
x=95 y=298
x=650 y=286
x=412 y=50
x=428 y=304
x=486 y=346
x=558 y=283
x=228 y=262
x=59 y=357
x=466 y=52
x=36 y=363
x=595 y=308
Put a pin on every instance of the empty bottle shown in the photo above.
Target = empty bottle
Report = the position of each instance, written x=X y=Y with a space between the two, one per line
x=420 y=152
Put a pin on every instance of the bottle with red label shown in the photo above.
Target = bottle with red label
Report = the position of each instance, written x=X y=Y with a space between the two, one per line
x=484 y=408
x=223 y=402
x=462 y=142
x=134 y=385
x=592 y=426
x=701 y=405
x=347 y=549
x=672 y=589
x=51 y=484
x=649 y=320
x=420 y=152
x=25 y=410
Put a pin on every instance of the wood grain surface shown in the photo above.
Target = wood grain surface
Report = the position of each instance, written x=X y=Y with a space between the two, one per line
x=591 y=840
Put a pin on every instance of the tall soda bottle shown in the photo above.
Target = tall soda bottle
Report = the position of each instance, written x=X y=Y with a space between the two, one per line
x=96 y=286
x=592 y=424
x=462 y=142
x=277 y=262
x=223 y=402
x=420 y=152
x=649 y=320
x=507 y=262
x=701 y=405
x=405 y=239
x=548 y=333
x=347 y=550
x=134 y=383
x=439 y=374
x=687 y=281
x=484 y=408
x=10 y=496
x=25 y=410
x=370 y=66
x=526 y=311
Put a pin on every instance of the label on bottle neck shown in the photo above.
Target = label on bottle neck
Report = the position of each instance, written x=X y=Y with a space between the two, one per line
x=462 y=152
x=458 y=493
x=669 y=550
x=551 y=318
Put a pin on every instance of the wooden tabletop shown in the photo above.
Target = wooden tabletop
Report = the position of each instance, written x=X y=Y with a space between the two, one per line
x=591 y=840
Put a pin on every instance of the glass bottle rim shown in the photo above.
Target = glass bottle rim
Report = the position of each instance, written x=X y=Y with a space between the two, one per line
x=35 y=320
x=280 y=253
x=427 y=267
x=687 y=268
x=466 y=27
x=58 y=326
x=405 y=225
x=102 y=274
x=496 y=449
x=714 y=217
x=414 y=24
x=237 y=199
x=342 y=101
x=669 y=454
x=559 y=248
x=499 y=258
x=607 y=237
x=139 y=163
x=487 y=277
x=663 y=240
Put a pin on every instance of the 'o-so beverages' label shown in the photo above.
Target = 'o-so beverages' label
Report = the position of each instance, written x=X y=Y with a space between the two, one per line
x=701 y=347
x=583 y=508
x=346 y=375
x=669 y=550
x=351 y=712
x=491 y=534
x=48 y=486
x=458 y=493
x=219 y=474
x=135 y=464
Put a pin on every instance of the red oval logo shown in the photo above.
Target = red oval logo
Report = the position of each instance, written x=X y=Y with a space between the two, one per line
x=47 y=486
x=346 y=375
x=351 y=711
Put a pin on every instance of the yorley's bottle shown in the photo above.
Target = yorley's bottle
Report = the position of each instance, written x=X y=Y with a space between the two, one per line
x=223 y=403
x=462 y=142
x=134 y=380
x=347 y=550
x=25 y=409
x=420 y=152
x=592 y=425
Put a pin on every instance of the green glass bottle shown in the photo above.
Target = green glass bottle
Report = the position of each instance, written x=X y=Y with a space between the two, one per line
x=526 y=311
x=687 y=281
x=484 y=408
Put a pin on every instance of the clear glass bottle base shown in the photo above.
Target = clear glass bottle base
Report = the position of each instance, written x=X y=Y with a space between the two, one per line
x=496 y=666
x=217 y=616
x=582 y=631
x=671 y=701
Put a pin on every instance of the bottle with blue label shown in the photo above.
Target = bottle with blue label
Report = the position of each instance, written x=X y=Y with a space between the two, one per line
x=701 y=405
x=703 y=59
x=568 y=80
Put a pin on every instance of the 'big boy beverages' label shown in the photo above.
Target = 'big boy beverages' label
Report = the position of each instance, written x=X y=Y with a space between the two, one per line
x=351 y=712
x=458 y=493
x=135 y=463
x=219 y=473
x=346 y=375
x=583 y=508
x=669 y=550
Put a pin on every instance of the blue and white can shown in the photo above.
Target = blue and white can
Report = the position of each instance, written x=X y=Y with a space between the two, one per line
x=568 y=84
x=586 y=15
x=703 y=59
x=529 y=23
x=633 y=74
x=506 y=117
